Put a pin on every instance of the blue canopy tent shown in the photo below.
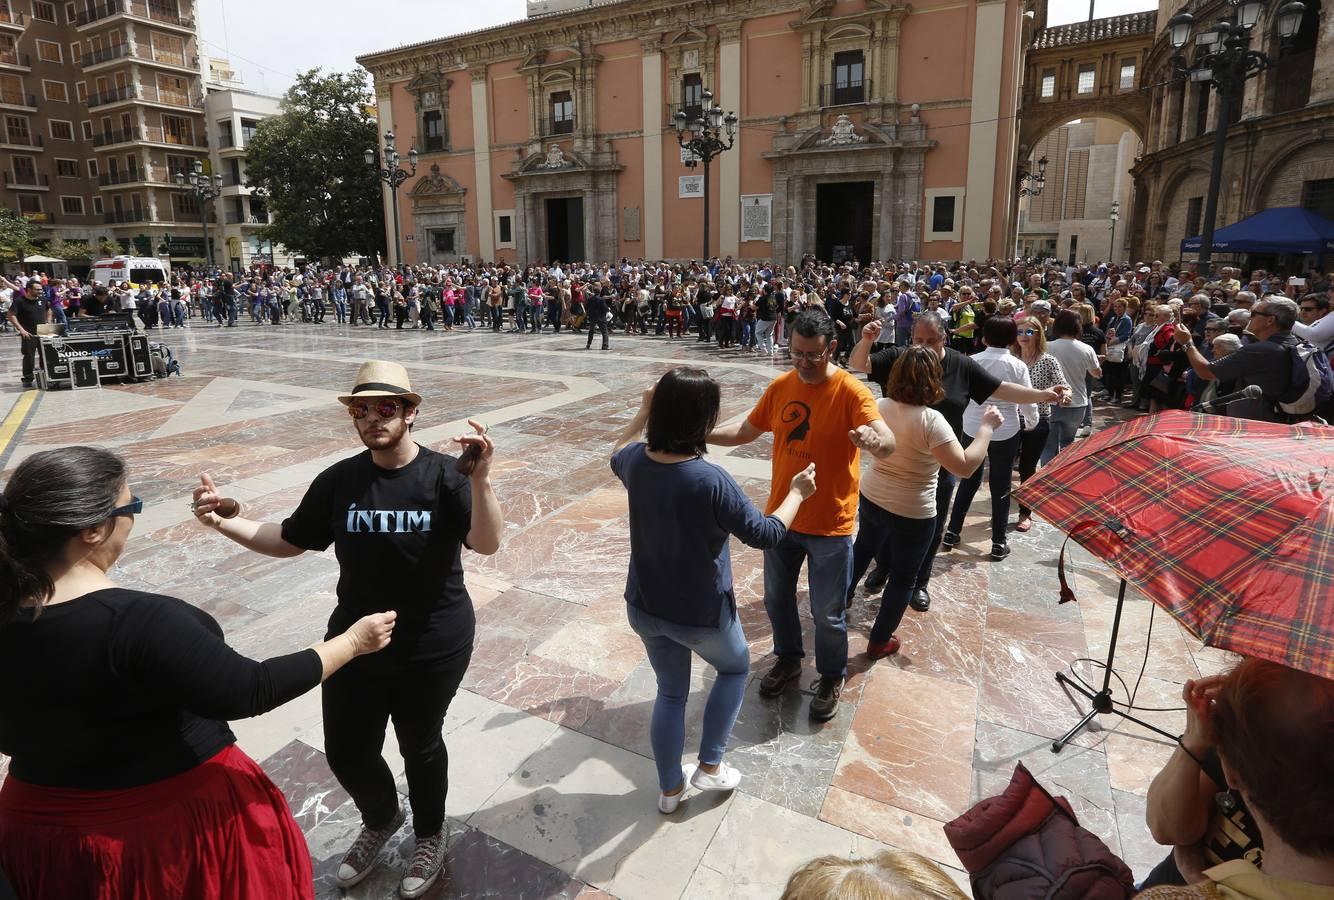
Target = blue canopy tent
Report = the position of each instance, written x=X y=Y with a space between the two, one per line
x=1284 y=229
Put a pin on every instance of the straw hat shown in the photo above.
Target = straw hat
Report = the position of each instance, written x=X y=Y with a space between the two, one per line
x=381 y=379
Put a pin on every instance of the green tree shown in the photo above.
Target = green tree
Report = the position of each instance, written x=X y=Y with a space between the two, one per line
x=108 y=247
x=17 y=234
x=63 y=249
x=323 y=198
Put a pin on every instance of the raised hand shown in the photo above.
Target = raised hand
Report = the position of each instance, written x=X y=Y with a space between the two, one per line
x=992 y=416
x=803 y=483
x=478 y=449
x=206 y=501
x=871 y=331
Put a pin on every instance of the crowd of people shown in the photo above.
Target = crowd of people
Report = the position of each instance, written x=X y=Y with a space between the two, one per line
x=125 y=774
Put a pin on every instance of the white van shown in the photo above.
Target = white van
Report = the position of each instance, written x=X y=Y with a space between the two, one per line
x=138 y=270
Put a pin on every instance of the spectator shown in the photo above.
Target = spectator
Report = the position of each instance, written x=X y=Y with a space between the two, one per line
x=889 y=875
x=1316 y=325
x=1078 y=362
x=1266 y=362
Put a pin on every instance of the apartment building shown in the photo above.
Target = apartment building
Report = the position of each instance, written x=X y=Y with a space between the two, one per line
x=101 y=105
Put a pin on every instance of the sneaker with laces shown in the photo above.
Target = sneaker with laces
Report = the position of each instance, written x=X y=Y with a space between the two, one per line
x=949 y=541
x=428 y=860
x=824 y=705
x=725 y=779
x=364 y=853
x=784 y=670
x=668 y=804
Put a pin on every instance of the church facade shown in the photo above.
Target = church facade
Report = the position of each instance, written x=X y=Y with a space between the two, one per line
x=866 y=128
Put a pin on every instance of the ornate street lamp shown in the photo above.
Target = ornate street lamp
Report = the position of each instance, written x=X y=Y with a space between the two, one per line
x=1226 y=61
x=1114 y=216
x=204 y=189
x=712 y=134
x=1031 y=184
x=391 y=174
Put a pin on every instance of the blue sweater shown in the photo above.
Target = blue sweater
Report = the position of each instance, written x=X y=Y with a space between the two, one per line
x=681 y=516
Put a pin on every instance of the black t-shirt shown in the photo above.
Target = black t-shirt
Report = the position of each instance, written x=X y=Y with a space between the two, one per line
x=399 y=536
x=94 y=304
x=121 y=688
x=962 y=378
x=1266 y=363
x=29 y=312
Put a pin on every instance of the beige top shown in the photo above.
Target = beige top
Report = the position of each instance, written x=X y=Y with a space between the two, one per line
x=904 y=483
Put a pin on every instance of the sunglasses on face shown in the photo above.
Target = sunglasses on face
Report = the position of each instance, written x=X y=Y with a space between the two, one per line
x=133 y=508
x=1028 y=332
x=385 y=409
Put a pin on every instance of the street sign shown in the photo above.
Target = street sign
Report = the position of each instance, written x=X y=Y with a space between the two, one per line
x=690 y=157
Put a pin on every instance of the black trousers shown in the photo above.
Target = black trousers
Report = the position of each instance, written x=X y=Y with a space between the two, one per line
x=359 y=701
x=1030 y=449
x=599 y=325
x=29 y=347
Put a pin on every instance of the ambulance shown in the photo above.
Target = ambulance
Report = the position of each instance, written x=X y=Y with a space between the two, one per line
x=137 y=270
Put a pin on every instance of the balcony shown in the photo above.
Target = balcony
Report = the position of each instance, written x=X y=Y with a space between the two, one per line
x=15 y=100
x=15 y=60
x=32 y=181
x=848 y=93
x=109 y=138
x=112 y=96
x=39 y=217
x=146 y=54
x=105 y=54
x=154 y=176
x=124 y=216
x=151 y=94
x=22 y=141
x=693 y=111
x=12 y=21
x=164 y=13
x=156 y=135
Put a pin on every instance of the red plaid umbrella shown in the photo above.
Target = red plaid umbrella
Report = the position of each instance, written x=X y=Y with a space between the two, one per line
x=1227 y=524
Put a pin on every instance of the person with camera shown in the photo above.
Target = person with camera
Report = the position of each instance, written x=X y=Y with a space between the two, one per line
x=399 y=516
x=126 y=781
x=1265 y=362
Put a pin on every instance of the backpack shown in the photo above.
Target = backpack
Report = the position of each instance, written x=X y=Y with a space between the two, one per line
x=1312 y=382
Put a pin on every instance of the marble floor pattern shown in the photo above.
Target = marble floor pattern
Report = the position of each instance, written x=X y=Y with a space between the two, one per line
x=553 y=787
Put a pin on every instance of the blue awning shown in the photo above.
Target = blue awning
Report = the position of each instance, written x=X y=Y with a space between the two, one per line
x=1285 y=229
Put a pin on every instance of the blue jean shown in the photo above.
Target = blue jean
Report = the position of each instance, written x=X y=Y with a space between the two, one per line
x=829 y=572
x=669 y=647
x=1000 y=462
x=1065 y=421
x=911 y=539
x=521 y=316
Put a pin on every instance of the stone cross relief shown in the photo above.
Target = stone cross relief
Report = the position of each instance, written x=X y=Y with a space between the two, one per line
x=842 y=132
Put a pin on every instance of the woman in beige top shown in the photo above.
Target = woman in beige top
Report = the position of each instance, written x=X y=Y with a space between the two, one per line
x=898 y=493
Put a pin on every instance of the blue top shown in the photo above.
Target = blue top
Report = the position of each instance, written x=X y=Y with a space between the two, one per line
x=681 y=515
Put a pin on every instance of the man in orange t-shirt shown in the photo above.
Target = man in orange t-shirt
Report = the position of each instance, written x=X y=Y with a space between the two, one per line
x=818 y=414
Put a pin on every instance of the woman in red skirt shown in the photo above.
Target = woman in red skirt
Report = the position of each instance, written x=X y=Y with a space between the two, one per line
x=125 y=779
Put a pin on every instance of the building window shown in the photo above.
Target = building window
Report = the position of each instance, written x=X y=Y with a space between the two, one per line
x=944 y=208
x=248 y=127
x=433 y=131
x=562 y=113
x=849 y=85
x=17 y=131
x=92 y=168
x=49 y=51
x=62 y=130
x=234 y=171
x=87 y=127
x=55 y=91
x=1201 y=108
x=442 y=241
x=1048 y=85
x=1296 y=63
x=1087 y=74
x=44 y=11
x=67 y=168
x=81 y=91
x=1127 y=74
x=225 y=134
x=71 y=206
x=505 y=229
x=11 y=91
x=942 y=214
x=1318 y=197
x=1194 y=213
x=30 y=203
x=692 y=95
x=97 y=206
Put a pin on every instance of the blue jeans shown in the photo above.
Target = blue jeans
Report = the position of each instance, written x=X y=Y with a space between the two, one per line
x=829 y=573
x=669 y=647
x=911 y=539
x=1000 y=461
x=521 y=316
x=1065 y=421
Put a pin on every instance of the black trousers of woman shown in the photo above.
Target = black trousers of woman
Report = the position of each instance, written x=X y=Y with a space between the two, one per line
x=1030 y=448
x=359 y=702
x=1115 y=378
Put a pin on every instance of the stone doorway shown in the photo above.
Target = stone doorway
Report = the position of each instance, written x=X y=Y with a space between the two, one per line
x=844 y=220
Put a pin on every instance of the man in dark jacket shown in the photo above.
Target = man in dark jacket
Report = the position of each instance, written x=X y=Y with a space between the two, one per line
x=596 y=305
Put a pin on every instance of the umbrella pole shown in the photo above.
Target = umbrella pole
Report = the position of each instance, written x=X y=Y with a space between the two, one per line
x=1102 y=702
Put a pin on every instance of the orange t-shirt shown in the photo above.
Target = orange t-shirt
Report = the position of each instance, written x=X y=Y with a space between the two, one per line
x=810 y=424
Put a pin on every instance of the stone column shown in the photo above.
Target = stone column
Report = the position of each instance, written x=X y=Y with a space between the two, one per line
x=729 y=171
x=1322 y=76
x=384 y=109
x=651 y=231
x=481 y=161
x=984 y=135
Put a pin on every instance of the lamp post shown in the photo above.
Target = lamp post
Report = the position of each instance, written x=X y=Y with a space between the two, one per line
x=204 y=189
x=712 y=134
x=1031 y=184
x=391 y=174
x=1114 y=216
x=1227 y=62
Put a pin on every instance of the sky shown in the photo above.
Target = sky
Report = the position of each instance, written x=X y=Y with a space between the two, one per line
x=268 y=42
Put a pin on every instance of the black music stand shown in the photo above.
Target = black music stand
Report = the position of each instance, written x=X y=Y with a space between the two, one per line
x=1102 y=703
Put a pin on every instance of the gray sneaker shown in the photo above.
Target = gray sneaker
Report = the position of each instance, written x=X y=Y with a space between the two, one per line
x=428 y=861
x=364 y=853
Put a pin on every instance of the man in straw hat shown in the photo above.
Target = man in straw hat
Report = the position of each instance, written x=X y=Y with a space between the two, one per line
x=398 y=516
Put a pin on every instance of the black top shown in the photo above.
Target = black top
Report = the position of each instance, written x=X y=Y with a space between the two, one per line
x=398 y=535
x=962 y=378
x=1266 y=363
x=121 y=688
x=30 y=313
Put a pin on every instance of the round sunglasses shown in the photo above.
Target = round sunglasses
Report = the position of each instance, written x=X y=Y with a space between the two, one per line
x=385 y=409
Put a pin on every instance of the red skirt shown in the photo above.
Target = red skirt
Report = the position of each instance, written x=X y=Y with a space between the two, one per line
x=220 y=830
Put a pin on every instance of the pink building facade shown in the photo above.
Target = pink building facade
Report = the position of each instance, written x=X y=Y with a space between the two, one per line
x=867 y=128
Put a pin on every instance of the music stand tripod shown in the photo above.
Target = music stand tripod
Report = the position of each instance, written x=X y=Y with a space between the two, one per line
x=1102 y=702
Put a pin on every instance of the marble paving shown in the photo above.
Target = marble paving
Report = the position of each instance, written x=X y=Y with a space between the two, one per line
x=553 y=788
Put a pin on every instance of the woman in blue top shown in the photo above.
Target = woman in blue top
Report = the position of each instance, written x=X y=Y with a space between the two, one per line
x=679 y=588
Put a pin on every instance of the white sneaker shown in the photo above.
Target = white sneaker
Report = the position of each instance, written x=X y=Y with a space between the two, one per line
x=667 y=805
x=726 y=779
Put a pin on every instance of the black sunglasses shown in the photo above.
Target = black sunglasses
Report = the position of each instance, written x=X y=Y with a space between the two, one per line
x=133 y=508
